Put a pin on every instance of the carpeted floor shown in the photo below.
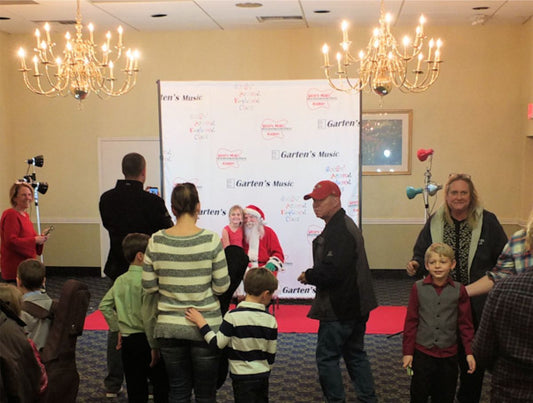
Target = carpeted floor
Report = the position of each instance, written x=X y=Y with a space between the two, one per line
x=294 y=377
x=293 y=319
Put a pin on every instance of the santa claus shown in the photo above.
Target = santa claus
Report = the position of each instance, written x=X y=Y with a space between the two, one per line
x=261 y=243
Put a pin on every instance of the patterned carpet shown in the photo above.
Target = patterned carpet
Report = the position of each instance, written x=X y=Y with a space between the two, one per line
x=294 y=377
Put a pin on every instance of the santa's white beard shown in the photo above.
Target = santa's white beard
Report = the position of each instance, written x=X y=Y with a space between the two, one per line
x=253 y=234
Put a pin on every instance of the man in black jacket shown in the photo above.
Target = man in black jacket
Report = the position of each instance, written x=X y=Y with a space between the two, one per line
x=125 y=209
x=344 y=297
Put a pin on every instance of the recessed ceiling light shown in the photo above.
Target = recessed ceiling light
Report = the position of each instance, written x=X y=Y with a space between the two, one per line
x=480 y=8
x=249 y=4
x=158 y=15
x=4 y=18
x=322 y=11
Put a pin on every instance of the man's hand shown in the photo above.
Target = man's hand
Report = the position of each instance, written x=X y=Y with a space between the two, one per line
x=119 y=341
x=412 y=267
x=302 y=279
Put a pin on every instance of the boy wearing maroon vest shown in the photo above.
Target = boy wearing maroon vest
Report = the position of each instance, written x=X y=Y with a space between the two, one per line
x=438 y=310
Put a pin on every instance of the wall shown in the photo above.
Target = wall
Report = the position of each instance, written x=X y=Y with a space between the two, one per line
x=6 y=138
x=527 y=142
x=474 y=118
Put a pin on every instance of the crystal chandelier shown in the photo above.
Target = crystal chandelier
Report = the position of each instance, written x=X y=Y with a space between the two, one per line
x=79 y=70
x=385 y=64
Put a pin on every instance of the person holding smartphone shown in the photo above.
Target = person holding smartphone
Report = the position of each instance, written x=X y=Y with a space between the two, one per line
x=125 y=209
x=19 y=241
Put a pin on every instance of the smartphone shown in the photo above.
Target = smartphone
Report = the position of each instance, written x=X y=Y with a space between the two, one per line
x=48 y=230
x=154 y=190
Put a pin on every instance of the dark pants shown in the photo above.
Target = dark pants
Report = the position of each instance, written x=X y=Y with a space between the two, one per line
x=191 y=365
x=470 y=385
x=250 y=391
x=435 y=377
x=344 y=339
x=136 y=357
x=115 y=373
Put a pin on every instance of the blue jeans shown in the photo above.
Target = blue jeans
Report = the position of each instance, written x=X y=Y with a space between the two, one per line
x=191 y=365
x=346 y=339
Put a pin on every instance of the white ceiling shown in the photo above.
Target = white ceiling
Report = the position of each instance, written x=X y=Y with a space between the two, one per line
x=26 y=15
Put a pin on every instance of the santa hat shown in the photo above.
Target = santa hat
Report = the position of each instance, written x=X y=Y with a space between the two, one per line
x=255 y=211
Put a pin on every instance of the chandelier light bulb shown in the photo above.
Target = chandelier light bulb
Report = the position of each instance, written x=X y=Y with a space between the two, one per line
x=339 y=64
x=325 y=52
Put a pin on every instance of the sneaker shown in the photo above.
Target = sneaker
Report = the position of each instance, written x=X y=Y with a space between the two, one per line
x=111 y=395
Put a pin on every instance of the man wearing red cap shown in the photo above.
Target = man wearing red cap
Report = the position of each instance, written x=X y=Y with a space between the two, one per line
x=261 y=243
x=344 y=297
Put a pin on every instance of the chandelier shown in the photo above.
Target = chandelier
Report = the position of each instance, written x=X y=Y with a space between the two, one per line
x=79 y=69
x=385 y=64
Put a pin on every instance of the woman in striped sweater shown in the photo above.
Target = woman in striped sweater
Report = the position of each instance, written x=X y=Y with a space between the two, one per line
x=184 y=266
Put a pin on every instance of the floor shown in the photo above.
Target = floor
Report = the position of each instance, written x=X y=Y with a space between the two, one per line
x=294 y=378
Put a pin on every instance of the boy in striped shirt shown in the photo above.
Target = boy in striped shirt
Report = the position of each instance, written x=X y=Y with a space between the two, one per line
x=249 y=332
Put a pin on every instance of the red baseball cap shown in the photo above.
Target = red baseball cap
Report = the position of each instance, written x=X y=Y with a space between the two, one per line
x=322 y=190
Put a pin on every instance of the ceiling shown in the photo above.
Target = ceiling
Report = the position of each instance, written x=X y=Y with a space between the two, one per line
x=23 y=16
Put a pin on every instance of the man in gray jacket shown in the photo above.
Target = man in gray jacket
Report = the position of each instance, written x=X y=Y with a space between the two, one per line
x=344 y=297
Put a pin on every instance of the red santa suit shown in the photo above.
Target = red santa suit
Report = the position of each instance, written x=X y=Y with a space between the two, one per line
x=269 y=253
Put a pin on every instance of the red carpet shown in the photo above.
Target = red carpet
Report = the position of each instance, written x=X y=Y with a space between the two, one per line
x=293 y=319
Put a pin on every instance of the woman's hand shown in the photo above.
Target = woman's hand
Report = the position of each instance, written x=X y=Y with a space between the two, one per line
x=412 y=267
x=41 y=239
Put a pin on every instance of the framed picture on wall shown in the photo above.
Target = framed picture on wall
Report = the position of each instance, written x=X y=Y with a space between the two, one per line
x=386 y=142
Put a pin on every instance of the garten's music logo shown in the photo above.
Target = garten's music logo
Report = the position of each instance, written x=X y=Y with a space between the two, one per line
x=229 y=158
x=317 y=98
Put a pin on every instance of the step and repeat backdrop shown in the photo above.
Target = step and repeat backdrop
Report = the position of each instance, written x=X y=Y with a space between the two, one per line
x=264 y=143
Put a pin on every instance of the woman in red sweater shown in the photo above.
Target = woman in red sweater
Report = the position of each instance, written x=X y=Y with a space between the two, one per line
x=19 y=241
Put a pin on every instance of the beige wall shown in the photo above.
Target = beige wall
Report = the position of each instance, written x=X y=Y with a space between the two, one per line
x=527 y=161
x=474 y=117
x=6 y=139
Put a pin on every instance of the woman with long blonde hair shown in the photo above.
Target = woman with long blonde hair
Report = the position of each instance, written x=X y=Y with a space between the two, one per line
x=477 y=238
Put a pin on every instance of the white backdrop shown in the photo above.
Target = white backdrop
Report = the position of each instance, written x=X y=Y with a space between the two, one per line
x=264 y=143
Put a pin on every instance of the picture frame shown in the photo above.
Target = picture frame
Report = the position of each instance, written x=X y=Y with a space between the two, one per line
x=386 y=142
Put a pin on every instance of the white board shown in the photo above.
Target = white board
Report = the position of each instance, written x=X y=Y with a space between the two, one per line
x=264 y=143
